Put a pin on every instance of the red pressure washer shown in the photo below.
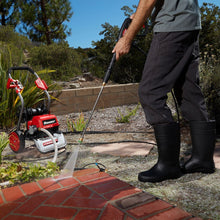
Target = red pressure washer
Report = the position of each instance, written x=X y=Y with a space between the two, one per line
x=35 y=118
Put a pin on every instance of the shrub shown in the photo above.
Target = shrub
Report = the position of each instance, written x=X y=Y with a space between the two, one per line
x=9 y=102
x=210 y=83
x=126 y=118
x=21 y=172
x=65 y=60
x=12 y=46
x=9 y=36
x=76 y=125
x=3 y=143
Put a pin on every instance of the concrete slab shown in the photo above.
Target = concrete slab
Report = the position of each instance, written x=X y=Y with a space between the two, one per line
x=217 y=155
x=124 y=149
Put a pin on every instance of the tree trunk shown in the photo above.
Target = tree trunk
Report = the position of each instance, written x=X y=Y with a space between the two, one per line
x=3 y=19
x=44 y=21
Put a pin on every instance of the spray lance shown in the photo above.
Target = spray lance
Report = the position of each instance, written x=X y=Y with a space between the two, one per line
x=124 y=27
x=70 y=165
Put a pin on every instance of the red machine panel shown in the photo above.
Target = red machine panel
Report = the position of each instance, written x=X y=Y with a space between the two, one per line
x=44 y=121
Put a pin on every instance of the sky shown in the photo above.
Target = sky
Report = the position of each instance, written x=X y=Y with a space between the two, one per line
x=89 y=15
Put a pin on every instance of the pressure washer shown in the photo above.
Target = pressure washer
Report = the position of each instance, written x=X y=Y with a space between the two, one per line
x=41 y=126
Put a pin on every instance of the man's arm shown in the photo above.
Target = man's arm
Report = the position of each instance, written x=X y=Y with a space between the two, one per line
x=143 y=11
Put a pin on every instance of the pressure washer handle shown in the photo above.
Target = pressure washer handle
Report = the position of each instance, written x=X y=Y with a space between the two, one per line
x=123 y=28
x=108 y=72
x=39 y=83
x=21 y=68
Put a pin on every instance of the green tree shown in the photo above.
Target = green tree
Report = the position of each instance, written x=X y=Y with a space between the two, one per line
x=128 y=11
x=43 y=20
x=209 y=35
x=129 y=67
x=9 y=13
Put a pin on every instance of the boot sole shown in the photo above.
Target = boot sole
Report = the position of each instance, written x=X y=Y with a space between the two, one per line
x=199 y=170
x=157 y=179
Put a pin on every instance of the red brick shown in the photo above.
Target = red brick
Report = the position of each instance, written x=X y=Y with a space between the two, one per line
x=55 y=212
x=195 y=218
x=6 y=209
x=31 y=204
x=31 y=188
x=96 y=196
x=112 y=213
x=13 y=194
x=20 y=217
x=101 y=181
x=87 y=214
x=49 y=184
x=85 y=172
x=92 y=176
x=149 y=208
x=107 y=184
x=85 y=202
x=60 y=196
x=117 y=194
x=129 y=218
x=1 y=199
x=174 y=213
x=67 y=181
x=82 y=192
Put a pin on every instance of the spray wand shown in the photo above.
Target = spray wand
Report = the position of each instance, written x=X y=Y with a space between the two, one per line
x=70 y=165
x=124 y=27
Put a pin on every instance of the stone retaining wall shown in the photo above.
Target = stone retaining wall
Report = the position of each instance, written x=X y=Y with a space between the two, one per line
x=83 y=99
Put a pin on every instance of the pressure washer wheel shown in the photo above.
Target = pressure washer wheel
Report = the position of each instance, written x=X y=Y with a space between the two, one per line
x=16 y=141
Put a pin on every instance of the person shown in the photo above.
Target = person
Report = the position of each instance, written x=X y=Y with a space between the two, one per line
x=172 y=63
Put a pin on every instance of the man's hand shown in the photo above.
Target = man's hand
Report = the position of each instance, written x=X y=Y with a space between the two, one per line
x=143 y=11
x=122 y=47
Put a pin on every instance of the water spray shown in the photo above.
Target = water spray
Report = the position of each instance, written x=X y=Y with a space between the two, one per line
x=70 y=165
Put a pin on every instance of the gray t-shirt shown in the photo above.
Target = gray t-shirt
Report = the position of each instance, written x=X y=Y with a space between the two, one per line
x=176 y=15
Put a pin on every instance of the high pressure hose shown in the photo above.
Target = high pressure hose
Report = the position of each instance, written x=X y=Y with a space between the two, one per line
x=54 y=142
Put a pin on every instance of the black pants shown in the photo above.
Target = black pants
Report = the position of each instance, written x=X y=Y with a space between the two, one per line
x=172 y=62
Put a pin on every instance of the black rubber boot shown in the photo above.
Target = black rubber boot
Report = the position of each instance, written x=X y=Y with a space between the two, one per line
x=168 y=144
x=203 y=135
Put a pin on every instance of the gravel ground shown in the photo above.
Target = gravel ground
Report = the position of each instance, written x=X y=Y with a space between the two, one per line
x=198 y=194
x=105 y=119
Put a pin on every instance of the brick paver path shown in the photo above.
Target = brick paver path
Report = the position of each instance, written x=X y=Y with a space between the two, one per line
x=88 y=195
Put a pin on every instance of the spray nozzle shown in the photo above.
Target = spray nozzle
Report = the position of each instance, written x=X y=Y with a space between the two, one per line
x=80 y=140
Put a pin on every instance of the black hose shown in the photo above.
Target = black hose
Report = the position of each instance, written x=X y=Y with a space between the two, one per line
x=114 y=142
x=108 y=132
